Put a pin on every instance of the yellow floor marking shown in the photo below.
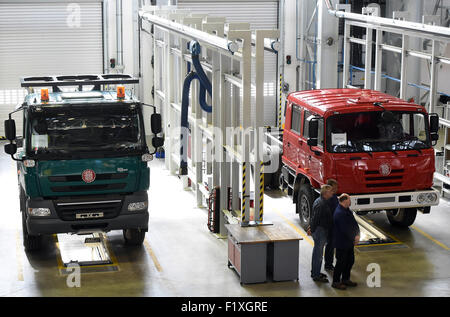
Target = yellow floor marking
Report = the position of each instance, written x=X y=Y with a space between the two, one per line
x=377 y=244
x=112 y=256
x=299 y=231
x=19 y=253
x=152 y=255
x=426 y=235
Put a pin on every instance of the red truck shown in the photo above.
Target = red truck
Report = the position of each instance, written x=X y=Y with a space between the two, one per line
x=379 y=148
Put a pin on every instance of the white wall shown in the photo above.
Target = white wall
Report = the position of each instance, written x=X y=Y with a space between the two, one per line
x=129 y=23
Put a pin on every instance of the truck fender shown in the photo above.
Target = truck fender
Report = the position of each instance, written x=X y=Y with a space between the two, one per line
x=303 y=179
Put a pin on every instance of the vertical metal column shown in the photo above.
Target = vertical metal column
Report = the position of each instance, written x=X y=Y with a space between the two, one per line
x=378 y=59
x=280 y=108
x=218 y=29
x=261 y=35
x=259 y=119
x=368 y=62
x=403 y=77
x=246 y=69
x=433 y=76
x=225 y=67
x=346 y=66
x=327 y=48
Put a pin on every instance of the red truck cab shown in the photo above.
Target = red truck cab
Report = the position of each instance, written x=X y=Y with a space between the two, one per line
x=379 y=149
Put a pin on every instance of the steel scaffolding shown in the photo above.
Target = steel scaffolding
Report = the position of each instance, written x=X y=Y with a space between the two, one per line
x=216 y=157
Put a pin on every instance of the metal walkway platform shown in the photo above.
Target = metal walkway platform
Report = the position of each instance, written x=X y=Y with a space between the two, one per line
x=371 y=235
x=89 y=251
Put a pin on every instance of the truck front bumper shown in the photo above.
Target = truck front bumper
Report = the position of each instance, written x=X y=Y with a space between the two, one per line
x=386 y=201
x=56 y=224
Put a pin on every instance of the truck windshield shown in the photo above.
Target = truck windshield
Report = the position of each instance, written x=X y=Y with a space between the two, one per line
x=377 y=131
x=91 y=129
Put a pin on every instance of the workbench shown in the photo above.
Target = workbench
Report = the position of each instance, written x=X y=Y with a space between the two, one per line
x=259 y=252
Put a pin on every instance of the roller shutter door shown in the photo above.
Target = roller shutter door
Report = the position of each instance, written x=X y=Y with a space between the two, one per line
x=42 y=38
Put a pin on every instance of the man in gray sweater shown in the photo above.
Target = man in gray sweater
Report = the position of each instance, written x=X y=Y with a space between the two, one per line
x=321 y=224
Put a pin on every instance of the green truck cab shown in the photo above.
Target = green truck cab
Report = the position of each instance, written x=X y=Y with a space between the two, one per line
x=82 y=161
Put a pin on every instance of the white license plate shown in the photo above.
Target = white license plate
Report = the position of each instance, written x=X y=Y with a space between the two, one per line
x=89 y=215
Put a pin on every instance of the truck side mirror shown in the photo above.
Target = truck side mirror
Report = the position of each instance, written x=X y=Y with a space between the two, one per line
x=10 y=149
x=434 y=123
x=313 y=132
x=10 y=129
x=155 y=120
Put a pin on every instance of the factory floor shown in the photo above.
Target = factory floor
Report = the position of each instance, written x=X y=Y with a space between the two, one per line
x=180 y=257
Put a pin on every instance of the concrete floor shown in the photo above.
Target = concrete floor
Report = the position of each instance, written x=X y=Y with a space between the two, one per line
x=181 y=257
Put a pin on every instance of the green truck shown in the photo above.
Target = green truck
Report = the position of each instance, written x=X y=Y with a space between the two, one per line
x=82 y=159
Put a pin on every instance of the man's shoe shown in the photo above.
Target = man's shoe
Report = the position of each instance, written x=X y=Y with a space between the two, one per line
x=329 y=267
x=323 y=275
x=340 y=286
x=349 y=283
x=320 y=279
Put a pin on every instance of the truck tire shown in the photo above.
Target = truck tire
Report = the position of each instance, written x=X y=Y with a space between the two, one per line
x=304 y=204
x=134 y=236
x=30 y=242
x=402 y=217
x=268 y=179
x=275 y=183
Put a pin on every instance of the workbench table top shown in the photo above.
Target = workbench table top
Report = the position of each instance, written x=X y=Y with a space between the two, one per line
x=276 y=232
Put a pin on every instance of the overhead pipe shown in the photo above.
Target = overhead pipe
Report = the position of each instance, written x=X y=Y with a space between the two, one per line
x=436 y=31
x=271 y=45
x=205 y=86
x=189 y=32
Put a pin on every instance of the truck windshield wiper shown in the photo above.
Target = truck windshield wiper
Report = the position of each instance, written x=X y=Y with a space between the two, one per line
x=408 y=146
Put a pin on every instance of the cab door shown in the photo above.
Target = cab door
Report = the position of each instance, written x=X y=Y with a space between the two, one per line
x=292 y=135
x=313 y=155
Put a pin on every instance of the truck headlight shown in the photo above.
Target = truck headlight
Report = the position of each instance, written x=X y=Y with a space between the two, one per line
x=137 y=206
x=39 y=212
x=421 y=198
x=431 y=197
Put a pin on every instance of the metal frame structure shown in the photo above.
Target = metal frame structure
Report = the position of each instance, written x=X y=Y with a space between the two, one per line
x=217 y=159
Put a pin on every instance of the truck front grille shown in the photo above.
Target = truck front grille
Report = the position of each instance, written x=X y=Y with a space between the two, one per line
x=83 y=188
x=77 y=178
x=373 y=179
x=67 y=210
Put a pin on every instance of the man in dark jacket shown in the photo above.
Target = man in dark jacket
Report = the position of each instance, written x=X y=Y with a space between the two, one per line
x=321 y=223
x=329 y=249
x=346 y=236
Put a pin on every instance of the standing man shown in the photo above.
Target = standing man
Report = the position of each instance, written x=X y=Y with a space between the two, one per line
x=329 y=249
x=346 y=236
x=321 y=223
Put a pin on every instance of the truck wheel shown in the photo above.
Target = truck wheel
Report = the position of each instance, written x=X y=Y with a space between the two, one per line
x=305 y=201
x=268 y=179
x=134 y=236
x=402 y=217
x=30 y=242
x=275 y=183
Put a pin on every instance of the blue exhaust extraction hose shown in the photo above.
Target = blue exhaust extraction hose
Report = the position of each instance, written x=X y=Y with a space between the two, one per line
x=205 y=86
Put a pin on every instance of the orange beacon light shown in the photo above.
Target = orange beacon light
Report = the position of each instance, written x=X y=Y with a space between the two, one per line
x=44 y=95
x=120 y=92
